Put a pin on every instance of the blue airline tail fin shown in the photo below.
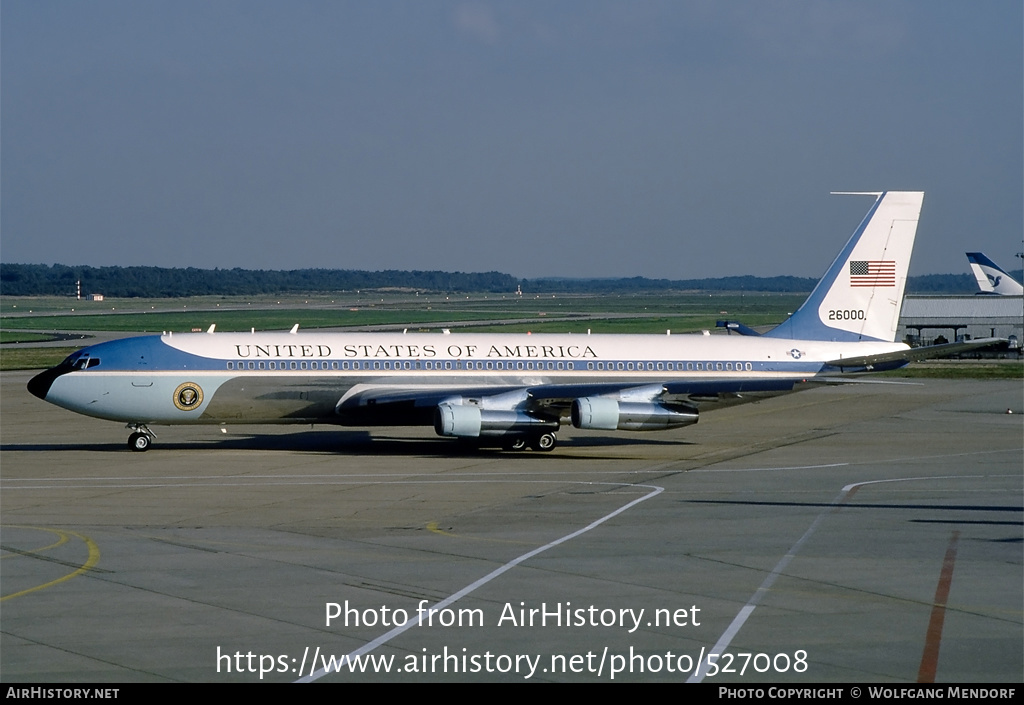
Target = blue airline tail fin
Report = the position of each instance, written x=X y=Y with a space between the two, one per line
x=992 y=279
x=861 y=294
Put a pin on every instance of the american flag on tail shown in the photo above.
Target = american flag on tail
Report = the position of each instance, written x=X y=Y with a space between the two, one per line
x=872 y=273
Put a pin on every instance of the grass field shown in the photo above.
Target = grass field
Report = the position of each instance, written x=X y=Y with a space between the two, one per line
x=960 y=369
x=13 y=336
x=32 y=358
x=682 y=312
x=240 y=320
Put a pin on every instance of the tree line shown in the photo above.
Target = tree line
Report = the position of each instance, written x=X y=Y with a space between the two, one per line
x=163 y=282
x=158 y=282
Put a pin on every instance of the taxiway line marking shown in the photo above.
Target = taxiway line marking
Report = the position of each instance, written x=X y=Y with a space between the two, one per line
x=451 y=599
x=748 y=609
x=91 y=561
x=933 y=637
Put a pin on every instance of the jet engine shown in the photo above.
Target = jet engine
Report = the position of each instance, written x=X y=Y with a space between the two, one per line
x=466 y=421
x=610 y=414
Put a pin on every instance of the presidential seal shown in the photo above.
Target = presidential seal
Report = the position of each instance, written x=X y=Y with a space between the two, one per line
x=188 y=396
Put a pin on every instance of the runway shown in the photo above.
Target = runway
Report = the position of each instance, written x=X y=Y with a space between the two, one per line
x=860 y=533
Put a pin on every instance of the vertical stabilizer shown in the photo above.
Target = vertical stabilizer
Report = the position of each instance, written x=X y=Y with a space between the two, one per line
x=861 y=294
x=991 y=278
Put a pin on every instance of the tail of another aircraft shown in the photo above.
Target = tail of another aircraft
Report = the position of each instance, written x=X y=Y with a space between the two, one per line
x=991 y=278
x=860 y=296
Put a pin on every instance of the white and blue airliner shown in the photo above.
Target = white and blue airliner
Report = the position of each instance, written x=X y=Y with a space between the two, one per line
x=991 y=277
x=514 y=390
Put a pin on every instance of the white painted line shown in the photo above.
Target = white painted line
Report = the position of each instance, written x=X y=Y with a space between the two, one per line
x=748 y=609
x=388 y=636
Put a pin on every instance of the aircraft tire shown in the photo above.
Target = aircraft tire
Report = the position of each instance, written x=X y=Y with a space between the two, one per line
x=545 y=442
x=139 y=442
x=517 y=443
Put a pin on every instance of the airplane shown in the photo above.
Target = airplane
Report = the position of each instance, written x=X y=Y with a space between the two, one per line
x=513 y=390
x=991 y=278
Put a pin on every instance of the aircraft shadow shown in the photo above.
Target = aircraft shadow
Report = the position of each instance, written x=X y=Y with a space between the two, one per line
x=348 y=443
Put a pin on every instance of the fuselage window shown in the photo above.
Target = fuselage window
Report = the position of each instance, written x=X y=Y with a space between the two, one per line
x=519 y=365
x=302 y=365
x=661 y=366
x=749 y=367
x=728 y=366
x=719 y=366
x=314 y=365
x=561 y=365
x=600 y=365
x=490 y=365
x=621 y=366
x=293 y=365
x=334 y=365
x=263 y=366
x=650 y=365
x=629 y=365
x=447 y=365
x=571 y=365
x=231 y=365
x=700 y=366
x=689 y=366
x=252 y=365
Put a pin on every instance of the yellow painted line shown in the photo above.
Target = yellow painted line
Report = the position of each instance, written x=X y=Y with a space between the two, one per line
x=94 y=558
x=59 y=542
x=432 y=527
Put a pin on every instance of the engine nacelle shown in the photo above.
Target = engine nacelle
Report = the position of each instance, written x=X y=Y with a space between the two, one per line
x=610 y=415
x=467 y=421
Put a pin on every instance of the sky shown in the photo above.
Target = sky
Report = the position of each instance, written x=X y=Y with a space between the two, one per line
x=578 y=138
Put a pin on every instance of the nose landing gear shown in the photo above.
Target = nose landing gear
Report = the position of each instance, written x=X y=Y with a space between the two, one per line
x=142 y=437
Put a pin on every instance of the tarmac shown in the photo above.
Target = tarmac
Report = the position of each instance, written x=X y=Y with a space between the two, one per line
x=859 y=533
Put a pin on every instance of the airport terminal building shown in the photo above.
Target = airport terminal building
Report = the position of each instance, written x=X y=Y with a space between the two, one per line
x=926 y=320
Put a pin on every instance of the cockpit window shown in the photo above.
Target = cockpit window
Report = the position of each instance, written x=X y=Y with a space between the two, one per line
x=82 y=362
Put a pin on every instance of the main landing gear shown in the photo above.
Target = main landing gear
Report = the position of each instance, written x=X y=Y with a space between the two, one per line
x=142 y=437
x=543 y=442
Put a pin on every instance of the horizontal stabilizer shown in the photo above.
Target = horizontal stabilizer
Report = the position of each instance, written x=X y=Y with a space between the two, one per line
x=927 y=352
x=736 y=326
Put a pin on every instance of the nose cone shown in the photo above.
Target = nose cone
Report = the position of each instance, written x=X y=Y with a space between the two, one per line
x=41 y=383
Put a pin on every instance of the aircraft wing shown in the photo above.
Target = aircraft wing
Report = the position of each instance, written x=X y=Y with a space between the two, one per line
x=891 y=360
x=660 y=404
